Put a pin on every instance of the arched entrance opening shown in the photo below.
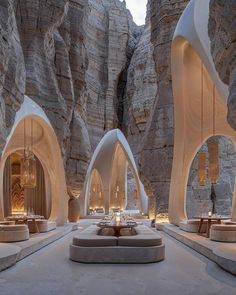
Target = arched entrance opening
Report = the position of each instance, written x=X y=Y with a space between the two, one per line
x=199 y=100
x=96 y=193
x=133 y=201
x=118 y=190
x=215 y=197
x=18 y=199
x=111 y=160
x=47 y=151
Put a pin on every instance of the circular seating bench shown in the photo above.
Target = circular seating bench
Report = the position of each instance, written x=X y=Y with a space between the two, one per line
x=44 y=225
x=14 y=233
x=192 y=225
x=223 y=233
x=144 y=247
x=229 y=222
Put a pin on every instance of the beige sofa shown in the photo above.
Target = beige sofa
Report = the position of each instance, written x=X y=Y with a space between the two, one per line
x=44 y=225
x=90 y=247
x=223 y=233
x=14 y=233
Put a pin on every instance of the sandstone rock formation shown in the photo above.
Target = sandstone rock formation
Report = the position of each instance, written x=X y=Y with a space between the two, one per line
x=198 y=199
x=12 y=69
x=222 y=22
x=71 y=57
x=156 y=149
x=141 y=89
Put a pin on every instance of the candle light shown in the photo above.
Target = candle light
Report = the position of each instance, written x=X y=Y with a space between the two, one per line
x=117 y=218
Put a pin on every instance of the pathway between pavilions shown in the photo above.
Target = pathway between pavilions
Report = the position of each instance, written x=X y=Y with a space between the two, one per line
x=49 y=271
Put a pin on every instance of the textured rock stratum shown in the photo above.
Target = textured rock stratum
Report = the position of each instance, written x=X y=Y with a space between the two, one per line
x=71 y=57
x=222 y=23
x=12 y=69
x=141 y=89
x=156 y=148
x=199 y=197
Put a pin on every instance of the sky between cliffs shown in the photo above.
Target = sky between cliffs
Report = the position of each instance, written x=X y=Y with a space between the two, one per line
x=138 y=10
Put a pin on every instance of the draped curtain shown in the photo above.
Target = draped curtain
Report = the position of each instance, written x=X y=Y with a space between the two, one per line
x=7 y=188
x=35 y=198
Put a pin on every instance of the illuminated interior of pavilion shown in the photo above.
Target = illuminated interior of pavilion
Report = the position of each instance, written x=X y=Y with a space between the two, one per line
x=106 y=185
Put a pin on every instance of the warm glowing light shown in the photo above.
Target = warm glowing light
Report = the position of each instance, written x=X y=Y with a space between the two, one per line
x=28 y=162
x=17 y=212
x=118 y=218
x=162 y=218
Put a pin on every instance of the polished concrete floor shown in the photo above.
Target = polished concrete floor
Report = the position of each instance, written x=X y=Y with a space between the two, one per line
x=49 y=271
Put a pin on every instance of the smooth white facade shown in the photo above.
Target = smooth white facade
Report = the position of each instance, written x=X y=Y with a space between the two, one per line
x=47 y=149
x=190 y=53
x=103 y=161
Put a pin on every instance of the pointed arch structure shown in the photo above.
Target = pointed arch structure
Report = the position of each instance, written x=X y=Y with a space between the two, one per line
x=190 y=57
x=111 y=159
x=96 y=190
x=47 y=150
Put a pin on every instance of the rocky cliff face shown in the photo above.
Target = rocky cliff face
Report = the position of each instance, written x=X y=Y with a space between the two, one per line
x=85 y=64
x=141 y=90
x=156 y=148
x=71 y=57
x=199 y=199
x=222 y=33
x=12 y=69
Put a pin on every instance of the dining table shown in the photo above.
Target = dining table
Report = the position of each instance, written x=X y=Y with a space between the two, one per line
x=117 y=226
x=210 y=220
x=25 y=219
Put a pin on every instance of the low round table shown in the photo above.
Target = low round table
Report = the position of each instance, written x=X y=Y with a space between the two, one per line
x=25 y=219
x=117 y=227
x=209 y=220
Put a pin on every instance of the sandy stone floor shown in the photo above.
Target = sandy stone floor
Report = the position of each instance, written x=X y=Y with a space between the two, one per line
x=49 y=271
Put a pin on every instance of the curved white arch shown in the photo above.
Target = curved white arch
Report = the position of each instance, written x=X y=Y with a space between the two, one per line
x=193 y=28
x=48 y=152
x=96 y=177
x=102 y=160
x=190 y=50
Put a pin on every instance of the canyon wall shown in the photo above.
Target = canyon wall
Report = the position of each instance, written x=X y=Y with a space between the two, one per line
x=222 y=22
x=12 y=69
x=156 y=148
x=71 y=57
x=199 y=199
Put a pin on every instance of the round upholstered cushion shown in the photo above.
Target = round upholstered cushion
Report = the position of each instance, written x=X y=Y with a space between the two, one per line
x=14 y=235
x=223 y=227
x=106 y=232
x=128 y=232
x=43 y=225
x=140 y=240
x=13 y=227
x=229 y=222
x=91 y=240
